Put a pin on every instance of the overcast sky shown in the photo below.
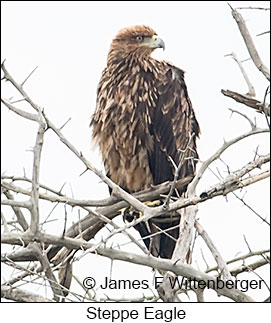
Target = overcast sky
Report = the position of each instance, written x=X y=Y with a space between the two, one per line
x=69 y=41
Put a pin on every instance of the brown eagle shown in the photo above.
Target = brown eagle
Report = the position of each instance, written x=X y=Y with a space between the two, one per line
x=142 y=122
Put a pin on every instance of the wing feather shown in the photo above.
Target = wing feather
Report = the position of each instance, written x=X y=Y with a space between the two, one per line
x=173 y=122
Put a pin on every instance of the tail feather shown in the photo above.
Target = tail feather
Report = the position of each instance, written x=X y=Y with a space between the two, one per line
x=160 y=240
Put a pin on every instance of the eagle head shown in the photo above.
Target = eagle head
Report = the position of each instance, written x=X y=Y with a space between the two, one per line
x=137 y=40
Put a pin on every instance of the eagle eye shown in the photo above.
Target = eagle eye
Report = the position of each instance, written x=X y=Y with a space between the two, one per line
x=139 y=38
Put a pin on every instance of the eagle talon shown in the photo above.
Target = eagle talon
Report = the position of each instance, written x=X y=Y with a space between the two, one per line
x=129 y=213
x=153 y=203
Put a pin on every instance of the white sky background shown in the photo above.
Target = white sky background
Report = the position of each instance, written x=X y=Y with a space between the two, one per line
x=69 y=41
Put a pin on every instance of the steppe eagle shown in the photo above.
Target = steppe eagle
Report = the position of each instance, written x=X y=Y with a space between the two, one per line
x=142 y=122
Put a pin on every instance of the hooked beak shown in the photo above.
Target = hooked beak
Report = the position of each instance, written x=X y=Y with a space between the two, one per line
x=158 y=42
x=155 y=42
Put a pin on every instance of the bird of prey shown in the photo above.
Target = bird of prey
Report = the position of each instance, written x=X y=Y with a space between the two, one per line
x=142 y=123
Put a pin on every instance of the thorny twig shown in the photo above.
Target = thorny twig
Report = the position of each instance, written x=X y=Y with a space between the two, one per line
x=251 y=90
x=250 y=44
x=177 y=171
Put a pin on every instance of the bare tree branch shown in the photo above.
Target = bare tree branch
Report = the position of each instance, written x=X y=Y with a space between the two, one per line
x=263 y=33
x=250 y=267
x=150 y=261
x=47 y=270
x=252 y=124
x=230 y=184
x=18 y=212
x=248 y=101
x=251 y=90
x=20 y=295
x=250 y=44
x=12 y=203
x=225 y=274
x=266 y=108
x=25 y=272
x=34 y=224
x=218 y=153
x=24 y=114
x=248 y=255
x=26 y=179
x=29 y=76
x=254 y=8
x=152 y=193
x=19 y=87
x=177 y=170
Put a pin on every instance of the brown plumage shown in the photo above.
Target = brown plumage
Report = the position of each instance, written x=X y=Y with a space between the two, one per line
x=143 y=117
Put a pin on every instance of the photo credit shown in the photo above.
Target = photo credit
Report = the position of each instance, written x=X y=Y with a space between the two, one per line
x=174 y=282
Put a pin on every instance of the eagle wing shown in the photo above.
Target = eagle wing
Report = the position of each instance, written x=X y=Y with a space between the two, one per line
x=172 y=124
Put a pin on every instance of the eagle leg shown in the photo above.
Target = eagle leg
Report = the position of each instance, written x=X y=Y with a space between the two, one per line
x=129 y=213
